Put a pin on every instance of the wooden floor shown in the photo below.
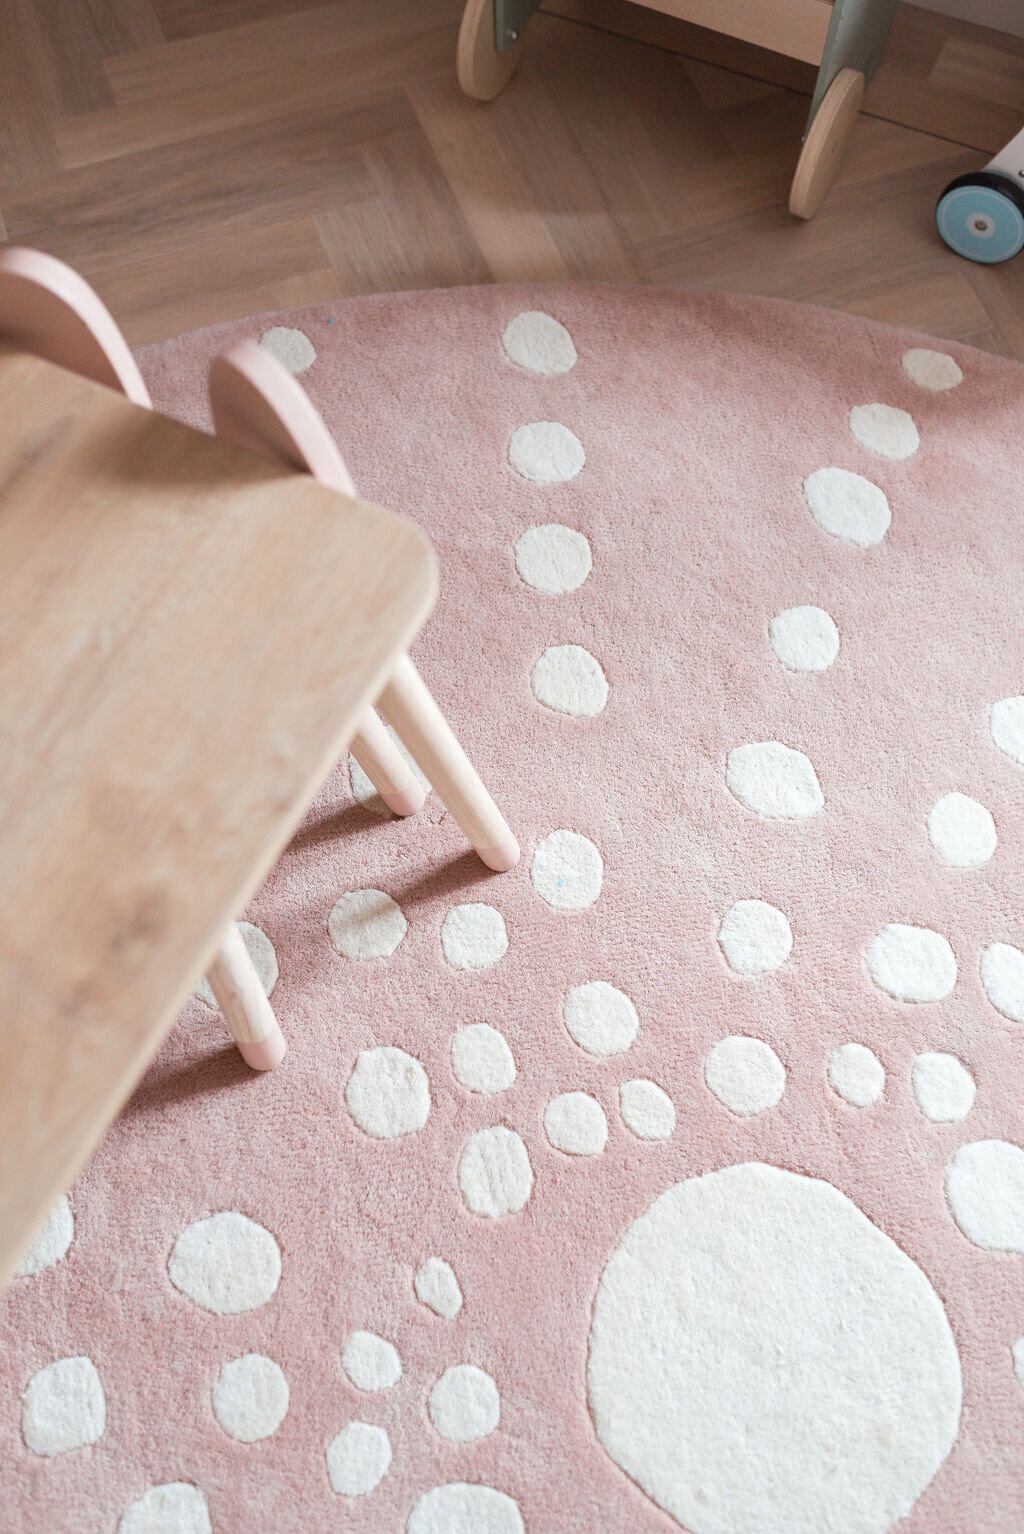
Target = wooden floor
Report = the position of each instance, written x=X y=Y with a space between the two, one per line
x=205 y=159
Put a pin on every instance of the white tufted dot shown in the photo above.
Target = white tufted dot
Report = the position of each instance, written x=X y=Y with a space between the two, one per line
x=985 y=1188
x=601 y=1019
x=805 y=638
x=647 y=1110
x=63 y=1407
x=1018 y=1360
x=495 y=1174
x=885 y=430
x=482 y=1060
x=745 y=1074
x=755 y=937
x=261 y=952
x=962 y=831
x=358 y=1459
x=459 y=1508
x=911 y=963
x=52 y=1242
x=857 y=1075
x=848 y=506
x=371 y=1362
x=464 y=1404
x=539 y=343
x=363 y=791
x=474 y=936
x=1002 y=975
x=250 y=1398
x=546 y=452
x=553 y=559
x=931 y=370
x=292 y=348
x=944 y=1089
x=173 y=1508
x=1006 y=721
x=366 y=924
x=437 y=1287
x=227 y=1263
x=388 y=1093
x=575 y=1123
x=569 y=680
x=567 y=871
x=774 y=780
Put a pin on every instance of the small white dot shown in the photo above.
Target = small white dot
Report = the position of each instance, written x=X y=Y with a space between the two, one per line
x=51 y=1243
x=962 y=831
x=805 y=639
x=885 y=430
x=461 y=1508
x=1002 y=975
x=358 y=1459
x=173 y=1508
x=495 y=1174
x=755 y=937
x=601 y=1019
x=388 y=1093
x=292 y=348
x=569 y=680
x=553 y=559
x=63 y=1407
x=911 y=963
x=848 y=506
x=539 y=343
x=745 y=1074
x=227 y=1263
x=943 y=1088
x=575 y=1123
x=371 y=1362
x=473 y=936
x=250 y=1398
x=857 y=1075
x=647 y=1110
x=366 y=924
x=1006 y=721
x=464 y=1405
x=437 y=1287
x=985 y=1188
x=261 y=951
x=546 y=452
x=774 y=780
x=567 y=871
x=931 y=370
x=482 y=1060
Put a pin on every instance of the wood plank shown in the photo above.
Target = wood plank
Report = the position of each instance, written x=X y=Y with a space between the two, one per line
x=795 y=28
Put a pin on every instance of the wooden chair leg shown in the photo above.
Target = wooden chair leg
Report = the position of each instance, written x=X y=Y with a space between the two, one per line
x=244 y=1005
x=407 y=705
x=386 y=767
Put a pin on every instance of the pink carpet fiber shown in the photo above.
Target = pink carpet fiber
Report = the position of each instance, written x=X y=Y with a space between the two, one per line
x=677 y=1182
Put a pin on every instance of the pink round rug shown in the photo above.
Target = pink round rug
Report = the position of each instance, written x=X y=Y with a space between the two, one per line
x=671 y=1180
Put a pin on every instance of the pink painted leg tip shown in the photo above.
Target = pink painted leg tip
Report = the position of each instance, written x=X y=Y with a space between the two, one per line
x=502 y=858
x=408 y=801
x=266 y=1053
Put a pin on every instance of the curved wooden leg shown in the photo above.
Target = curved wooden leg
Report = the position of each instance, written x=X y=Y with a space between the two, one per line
x=825 y=144
x=386 y=767
x=244 y=1005
x=483 y=71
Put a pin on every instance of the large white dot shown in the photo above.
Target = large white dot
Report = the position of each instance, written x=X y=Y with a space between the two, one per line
x=460 y=1508
x=388 y=1093
x=911 y=963
x=848 y=506
x=371 y=1362
x=474 y=936
x=985 y=1188
x=647 y=1110
x=745 y=1074
x=763 y=1358
x=363 y=791
x=857 y=1075
x=546 y=452
x=464 y=1405
x=437 y=1287
x=885 y=430
x=774 y=780
x=805 y=638
x=292 y=348
x=575 y=1123
x=227 y=1263
x=1006 y=721
x=944 y=1089
x=539 y=343
x=51 y=1242
x=261 y=951
x=366 y=924
x=482 y=1060
x=931 y=370
x=553 y=558
x=570 y=680
x=755 y=937
x=250 y=1398
x=601 y=1019
x=1002 y=975
x=358 y=1459
x=962 y=831
x=567 y=871
x=173 y=1508
x=495 y=1174
x=63 y=1407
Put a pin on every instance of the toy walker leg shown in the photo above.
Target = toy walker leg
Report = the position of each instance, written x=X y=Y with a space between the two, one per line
x=484 y=70
x=825 y=144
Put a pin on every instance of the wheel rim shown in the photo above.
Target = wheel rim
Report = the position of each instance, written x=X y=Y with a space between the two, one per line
x=980 y=223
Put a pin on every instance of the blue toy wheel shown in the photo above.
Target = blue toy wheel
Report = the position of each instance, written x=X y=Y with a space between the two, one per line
x=981 y=216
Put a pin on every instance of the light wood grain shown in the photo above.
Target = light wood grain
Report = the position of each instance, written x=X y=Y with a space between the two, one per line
x=796 y=28
x=827 y=140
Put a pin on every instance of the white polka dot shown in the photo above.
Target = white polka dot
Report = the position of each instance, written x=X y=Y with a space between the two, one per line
x=546 y=452
x=805 y=639
x=911 y=963
x=482 y=1060
x=848 y=506
x=463 y=1509
x=885 y=430
x=755 y=937
x=363 y=791
x=250 y=1398
x=985 y=1188
x=575 y=1123
x=539 y=343
x=388 y=1093
x=51 y=1243
x=1018 y=1360
x=63 y=1407
x=567 y=871
x=962 y=831
x=358 y=1459
x=174 y=1508
x=371 y=1362
x=1006 y=721
x=437 y=1287
x=745 y=1074
x=474 y=936
x=647 y=1110
x=601 y=1019
x=464 y=1404
x=857 y=1075
x=227 y=1263
x=553 y=559
x=931 y=370
x=774 y=780
x=1002 y=975
x=261 y=952
x=495 y=1174
x=292 y=348
x=944 y=1089
x=569 y=680
x=763 y=1358
x=366 y=924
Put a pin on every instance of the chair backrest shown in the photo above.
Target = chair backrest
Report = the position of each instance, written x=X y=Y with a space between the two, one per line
x=49 y=310
x=258 y=405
